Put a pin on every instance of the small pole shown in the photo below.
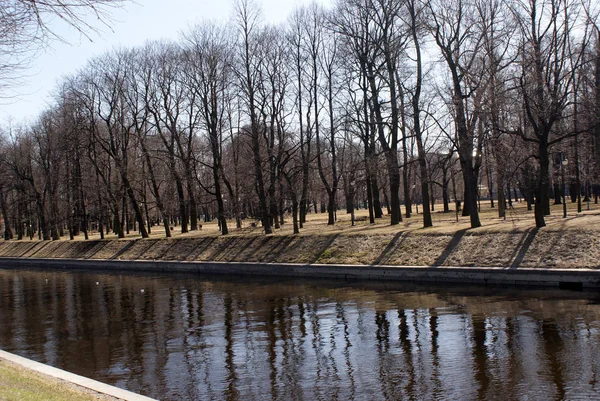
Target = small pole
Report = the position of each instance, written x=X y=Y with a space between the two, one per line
x=563 y=164
x=352 y=215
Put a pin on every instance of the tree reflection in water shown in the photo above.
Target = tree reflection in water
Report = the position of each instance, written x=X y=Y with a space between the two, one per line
x=189 y=337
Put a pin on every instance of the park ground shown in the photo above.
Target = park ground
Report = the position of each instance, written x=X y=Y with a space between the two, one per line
x=572 y=242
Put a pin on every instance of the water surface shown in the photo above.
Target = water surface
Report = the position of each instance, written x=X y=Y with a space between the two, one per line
x=181 y=337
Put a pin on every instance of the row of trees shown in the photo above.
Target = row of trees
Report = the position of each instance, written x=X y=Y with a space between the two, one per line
x=354 y=105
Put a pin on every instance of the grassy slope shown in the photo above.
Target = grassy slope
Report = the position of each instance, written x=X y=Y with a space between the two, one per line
x=568 y=243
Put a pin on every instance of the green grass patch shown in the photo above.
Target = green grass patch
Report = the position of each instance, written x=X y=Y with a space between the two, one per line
x=19 y=384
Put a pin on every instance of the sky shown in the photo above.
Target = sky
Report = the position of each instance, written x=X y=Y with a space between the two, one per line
x=132 y=25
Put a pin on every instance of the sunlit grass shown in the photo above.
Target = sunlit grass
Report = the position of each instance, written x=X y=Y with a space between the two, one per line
x=567 y=243
x=20 y=384
x=518 y=218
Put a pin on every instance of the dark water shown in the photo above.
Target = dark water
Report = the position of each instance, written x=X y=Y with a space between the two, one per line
x=190 y=338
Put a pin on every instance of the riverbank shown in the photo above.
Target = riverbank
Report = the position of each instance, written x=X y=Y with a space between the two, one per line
x=531 y=248
x=503 y=251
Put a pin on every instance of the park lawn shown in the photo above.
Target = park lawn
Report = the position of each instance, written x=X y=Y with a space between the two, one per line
x=518 y=219
x=570 y=243
x=17 y=383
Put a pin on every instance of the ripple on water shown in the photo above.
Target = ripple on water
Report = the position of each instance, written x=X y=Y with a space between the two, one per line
x=186 y=337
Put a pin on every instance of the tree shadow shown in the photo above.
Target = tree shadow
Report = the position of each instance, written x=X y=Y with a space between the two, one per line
x=452 y=245
x=31 y=249
x=101 y=244
x=389 y=249
x=197 y=249
x=324 y=247
x=247 y=247
x=123 y=250
x=523 y=247
x=166 y=251
x=63 y=250
x=279 y=248
x=142 y=248
x=221 y=249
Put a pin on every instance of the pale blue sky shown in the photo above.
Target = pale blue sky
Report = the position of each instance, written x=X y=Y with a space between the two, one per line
x=132 y=25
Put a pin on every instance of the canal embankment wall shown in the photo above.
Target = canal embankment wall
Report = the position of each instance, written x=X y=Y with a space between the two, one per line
x=548 y=258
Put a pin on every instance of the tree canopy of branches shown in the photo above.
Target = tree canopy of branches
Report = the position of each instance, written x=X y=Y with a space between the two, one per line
x=370 y=104
x=25 y=25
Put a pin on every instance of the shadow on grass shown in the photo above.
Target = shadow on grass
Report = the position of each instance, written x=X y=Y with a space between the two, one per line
x=166 y=251
x=523 y=247
x=142 y=247
x=63 y=249
x=386 y=254
x=100 y=244
x=196 y=249
x=452 y=245
x=123 y=250
x=220 y=253
x=324 y=247
x=81 y=249
x=278 y=248
x=246 y=248
x=31 y=248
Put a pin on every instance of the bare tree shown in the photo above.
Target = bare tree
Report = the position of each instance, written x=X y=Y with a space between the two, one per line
x=247 y=20
x=324 y=57
x=297 y=40
x=351 y=23
x=208 y=69
x=136 y=97
x=415 y=12
x=110 y=84
x=458 y=39
x=545 y=82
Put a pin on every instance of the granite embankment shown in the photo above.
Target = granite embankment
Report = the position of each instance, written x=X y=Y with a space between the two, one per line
x=532 y=248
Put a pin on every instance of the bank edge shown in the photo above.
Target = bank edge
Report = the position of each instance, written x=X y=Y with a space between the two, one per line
x=72 y=378
x=573 y=279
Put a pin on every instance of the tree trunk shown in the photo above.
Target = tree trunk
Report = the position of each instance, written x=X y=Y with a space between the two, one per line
x=427 y=221
x=181 y=198
x=377 y=209
x=470 y=202
x=295 y=215
x=501 y=198
x=220 y=204
x=8 y=234
x=136 y=208
x=542 y=204
x=192 y=202
x=446 y=189
x=44 y=227
x=156 y=193
x=557 y=192
x=405 y=171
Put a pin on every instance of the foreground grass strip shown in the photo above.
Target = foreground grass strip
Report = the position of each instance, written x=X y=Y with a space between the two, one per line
x=17 y=383
x=58 y=380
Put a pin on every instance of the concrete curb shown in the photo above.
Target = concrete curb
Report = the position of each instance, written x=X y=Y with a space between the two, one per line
x=73 y=378
x=555 y=278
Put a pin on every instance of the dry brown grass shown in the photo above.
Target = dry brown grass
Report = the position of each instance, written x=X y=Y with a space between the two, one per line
x=518 y=219
x=511 y=242
x=17 y=383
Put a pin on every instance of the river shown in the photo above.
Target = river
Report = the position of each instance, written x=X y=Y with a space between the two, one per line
x=185 y=337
